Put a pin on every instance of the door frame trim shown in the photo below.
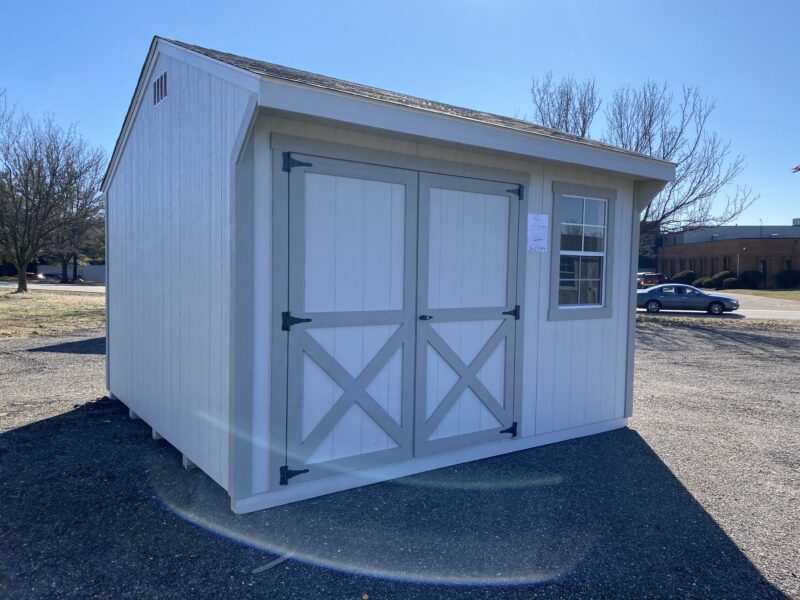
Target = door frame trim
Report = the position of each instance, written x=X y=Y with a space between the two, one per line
x=279 y=143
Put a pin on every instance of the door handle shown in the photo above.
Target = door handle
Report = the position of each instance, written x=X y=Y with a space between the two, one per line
x=425 y=317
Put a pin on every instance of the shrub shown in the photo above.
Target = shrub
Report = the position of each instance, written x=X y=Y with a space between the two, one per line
x=730 y=283
x=685 y=277
x=788 y=279
x=751 y=279
x=718 y=278
x=703 y=282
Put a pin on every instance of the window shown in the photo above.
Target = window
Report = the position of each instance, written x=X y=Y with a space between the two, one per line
x=581 y=217
x=788 y=264
x=725 y=264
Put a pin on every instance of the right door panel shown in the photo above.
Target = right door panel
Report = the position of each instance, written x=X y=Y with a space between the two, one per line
x=466 y=299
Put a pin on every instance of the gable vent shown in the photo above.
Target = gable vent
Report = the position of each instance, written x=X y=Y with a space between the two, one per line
x=160 y=88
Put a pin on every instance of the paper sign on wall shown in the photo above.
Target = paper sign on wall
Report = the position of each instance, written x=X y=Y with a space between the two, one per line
x=537 y=232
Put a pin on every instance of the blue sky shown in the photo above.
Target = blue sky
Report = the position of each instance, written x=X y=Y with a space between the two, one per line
x=79 y=60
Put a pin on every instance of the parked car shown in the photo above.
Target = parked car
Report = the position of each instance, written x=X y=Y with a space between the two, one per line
x=683 y=297
x=29 y=275
x=650 y=279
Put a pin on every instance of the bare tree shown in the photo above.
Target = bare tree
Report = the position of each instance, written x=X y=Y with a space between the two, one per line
x=568 y=105
x=80 y=219
x=648 y=119
x=43 y=168
x=5 y=112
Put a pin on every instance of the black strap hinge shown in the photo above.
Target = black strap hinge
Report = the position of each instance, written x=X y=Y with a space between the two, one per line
x=287 y=320
x=512 y=430
x=514 y=312
x=290 y=161
x=287 y=474
x=517 y=191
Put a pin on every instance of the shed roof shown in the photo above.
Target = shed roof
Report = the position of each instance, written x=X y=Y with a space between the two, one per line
x=267 y=69
x=477 y=128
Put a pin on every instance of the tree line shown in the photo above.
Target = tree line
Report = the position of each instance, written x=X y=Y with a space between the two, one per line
x=650 y=119
x=50 y=201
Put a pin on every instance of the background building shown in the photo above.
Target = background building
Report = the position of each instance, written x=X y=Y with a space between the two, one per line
x=737 y=248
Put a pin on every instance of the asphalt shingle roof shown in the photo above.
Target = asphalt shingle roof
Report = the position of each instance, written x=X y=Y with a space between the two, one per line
x=271 y=70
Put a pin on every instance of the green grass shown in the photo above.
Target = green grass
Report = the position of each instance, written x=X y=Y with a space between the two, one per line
x=783 y=294
x=49 y=313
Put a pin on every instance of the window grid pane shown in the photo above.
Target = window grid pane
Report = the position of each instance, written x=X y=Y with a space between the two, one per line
x=582 y=253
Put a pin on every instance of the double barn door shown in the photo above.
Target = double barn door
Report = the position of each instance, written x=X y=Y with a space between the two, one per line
x=402 y=315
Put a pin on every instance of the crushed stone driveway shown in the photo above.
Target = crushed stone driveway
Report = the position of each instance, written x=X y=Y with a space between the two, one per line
x=698 y=498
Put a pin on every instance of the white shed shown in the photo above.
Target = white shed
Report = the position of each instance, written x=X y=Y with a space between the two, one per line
x=314 y=284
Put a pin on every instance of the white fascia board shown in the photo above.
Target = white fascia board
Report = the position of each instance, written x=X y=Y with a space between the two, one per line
x=327 y=104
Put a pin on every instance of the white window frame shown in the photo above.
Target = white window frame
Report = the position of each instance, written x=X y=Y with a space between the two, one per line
x=602 y=310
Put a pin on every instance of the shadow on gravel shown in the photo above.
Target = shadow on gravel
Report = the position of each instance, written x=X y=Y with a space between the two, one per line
x=92 y=506
x=86 y=346
x=695 y=314
x=745 y=340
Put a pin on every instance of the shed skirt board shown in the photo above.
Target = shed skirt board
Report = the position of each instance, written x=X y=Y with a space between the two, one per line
x=401 y=322
x=358 y=478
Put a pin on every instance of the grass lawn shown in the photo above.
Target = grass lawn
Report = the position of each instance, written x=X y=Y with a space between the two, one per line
x=48 y=313
x=784 y=294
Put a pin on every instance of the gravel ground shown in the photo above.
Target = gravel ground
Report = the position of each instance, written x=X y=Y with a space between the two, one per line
x=698 y=499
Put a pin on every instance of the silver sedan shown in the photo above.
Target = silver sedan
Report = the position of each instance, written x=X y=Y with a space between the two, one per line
x=672 y=296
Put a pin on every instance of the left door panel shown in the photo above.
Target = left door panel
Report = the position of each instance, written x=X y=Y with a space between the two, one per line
x=352 y=269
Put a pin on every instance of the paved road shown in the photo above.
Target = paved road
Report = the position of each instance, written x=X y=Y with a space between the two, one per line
x=751 y=307
x=57 y=287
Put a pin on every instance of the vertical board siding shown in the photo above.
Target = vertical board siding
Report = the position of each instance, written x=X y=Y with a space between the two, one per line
x=468 y=249
x=573 y=371
x=354 y=252
x=168 y=252
x=577 y=376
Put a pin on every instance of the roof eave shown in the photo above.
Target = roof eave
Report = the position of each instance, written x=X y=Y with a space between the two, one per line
x=282 y=95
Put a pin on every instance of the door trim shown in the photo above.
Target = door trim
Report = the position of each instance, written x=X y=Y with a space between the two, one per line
x=508 y=331
x=313 y=147
x=294 y=452
x=278 y=366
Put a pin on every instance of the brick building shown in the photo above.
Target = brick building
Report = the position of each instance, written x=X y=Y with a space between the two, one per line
x=735 y=248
